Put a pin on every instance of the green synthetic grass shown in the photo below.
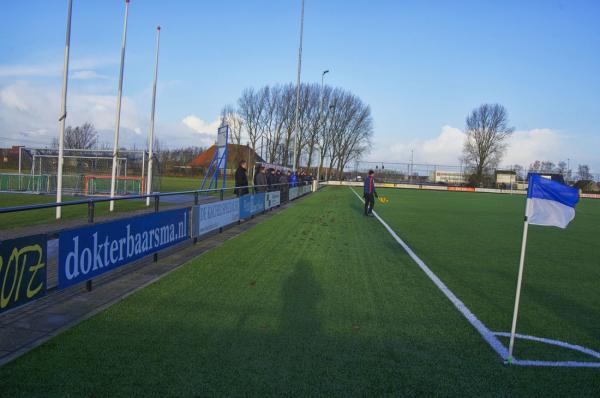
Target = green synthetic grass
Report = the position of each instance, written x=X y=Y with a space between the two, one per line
x=318 y=300
x=45 y=216
x=473 y=241
x=174 y=184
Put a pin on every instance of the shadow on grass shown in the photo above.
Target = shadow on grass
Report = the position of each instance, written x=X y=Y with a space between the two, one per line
x=300 y=293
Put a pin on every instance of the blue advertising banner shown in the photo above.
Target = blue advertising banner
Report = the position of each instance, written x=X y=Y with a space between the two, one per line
x=87 y=252
x=211 y=216
x=252 y=204
x=293 y=194
x=22 y=270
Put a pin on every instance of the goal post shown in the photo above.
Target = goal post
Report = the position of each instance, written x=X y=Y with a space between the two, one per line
x=100 y=185
x=39 y=172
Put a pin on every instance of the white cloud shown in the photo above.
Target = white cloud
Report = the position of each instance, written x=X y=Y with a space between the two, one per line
x=10 y=98
x=79 y=68
x=446 y=148
x=40 y=70
x=86 y=75
x=29 y=116
x=32 y=111
x=524 y=147
x=200 y=126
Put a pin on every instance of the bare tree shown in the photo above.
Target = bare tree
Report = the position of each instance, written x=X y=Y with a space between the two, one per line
x=583 y=172
x=230 y=117
x=487 y=133
x=79 y=137
x=342 y=131
x=289 y=108
x=250 y=107
x=279 y=120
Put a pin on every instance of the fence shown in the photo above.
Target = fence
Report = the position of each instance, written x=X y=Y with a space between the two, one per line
x=37 y=171
x=432 y=187
x=458 y=175
x=61 y=258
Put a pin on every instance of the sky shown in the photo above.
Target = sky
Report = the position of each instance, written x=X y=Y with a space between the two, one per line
x=421 y=65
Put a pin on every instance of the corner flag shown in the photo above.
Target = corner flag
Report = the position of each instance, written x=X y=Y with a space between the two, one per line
x=550 y=203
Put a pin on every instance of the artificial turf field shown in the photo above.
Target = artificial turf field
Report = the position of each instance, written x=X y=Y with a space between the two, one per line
x=321 y=300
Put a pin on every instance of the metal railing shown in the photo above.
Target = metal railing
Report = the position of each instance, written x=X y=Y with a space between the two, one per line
x=217 y=193
x=156 y=195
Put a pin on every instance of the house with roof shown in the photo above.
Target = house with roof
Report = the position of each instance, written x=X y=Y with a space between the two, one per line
x=235 y=153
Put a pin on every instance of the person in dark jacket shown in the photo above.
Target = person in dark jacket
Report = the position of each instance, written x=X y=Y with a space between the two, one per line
x=284 y=187
x=277 y=180
x=260 y=183
x=370 y=193
x=271 y=179
x=256 y=170
x=241 y=179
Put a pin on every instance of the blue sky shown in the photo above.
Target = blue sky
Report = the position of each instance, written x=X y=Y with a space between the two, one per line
x=421 y=65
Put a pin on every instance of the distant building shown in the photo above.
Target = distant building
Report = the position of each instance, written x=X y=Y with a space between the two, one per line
x=449 y=177
x=9 y=157
x=558 y=177
x=506 y=179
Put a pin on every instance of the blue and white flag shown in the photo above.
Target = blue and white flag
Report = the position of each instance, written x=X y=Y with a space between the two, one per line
x=550 y=203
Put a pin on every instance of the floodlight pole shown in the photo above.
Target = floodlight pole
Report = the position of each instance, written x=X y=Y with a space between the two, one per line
x=118 y=117
x=330 y=128
x=321 y=124
x=298 y=89
x=63 y=114
x=513 y=329
x=151 y=139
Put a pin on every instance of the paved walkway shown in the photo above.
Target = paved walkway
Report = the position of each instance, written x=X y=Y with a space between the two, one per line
x=30 y=325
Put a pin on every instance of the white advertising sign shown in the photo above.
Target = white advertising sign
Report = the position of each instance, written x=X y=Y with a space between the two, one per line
x=213 y=216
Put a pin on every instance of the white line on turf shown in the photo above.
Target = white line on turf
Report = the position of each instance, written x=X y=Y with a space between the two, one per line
x=487 y=334
x=557 y=343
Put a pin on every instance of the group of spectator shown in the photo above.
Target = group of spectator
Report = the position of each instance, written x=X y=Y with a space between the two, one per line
x=271 y=179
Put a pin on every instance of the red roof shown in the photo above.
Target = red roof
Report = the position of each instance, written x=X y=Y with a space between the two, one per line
x=235 y=153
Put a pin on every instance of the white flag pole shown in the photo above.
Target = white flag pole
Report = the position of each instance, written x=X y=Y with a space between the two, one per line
x=63 y=116
x=513 y=329
x=151 y=139
x=118 y=117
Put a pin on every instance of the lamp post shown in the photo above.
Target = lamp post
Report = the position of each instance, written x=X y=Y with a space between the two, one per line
x=321 y=124
x=298 y=89
x=118 y=116
x=63 y=116
x=151 y=138
x=332 y=109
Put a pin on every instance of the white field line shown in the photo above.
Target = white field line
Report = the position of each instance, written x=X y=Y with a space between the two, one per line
x=557 y=343
x=487 y=334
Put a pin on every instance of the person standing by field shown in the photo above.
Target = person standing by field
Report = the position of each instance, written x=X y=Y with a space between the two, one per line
x=370 y=193
x=284 y=187
x=241 y=179
x=260 y=181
